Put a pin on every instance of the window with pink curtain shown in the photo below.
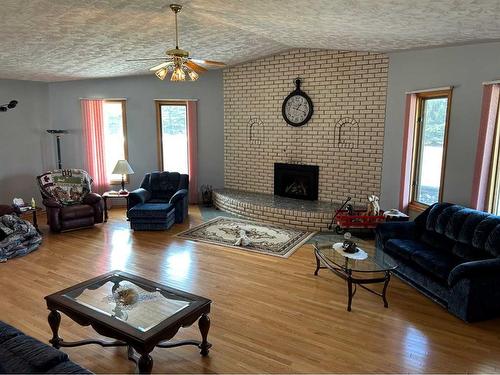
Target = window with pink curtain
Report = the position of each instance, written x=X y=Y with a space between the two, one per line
x=93 y=139
x=485 y=153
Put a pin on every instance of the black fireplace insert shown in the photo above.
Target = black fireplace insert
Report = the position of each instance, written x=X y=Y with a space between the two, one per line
x=296 y=181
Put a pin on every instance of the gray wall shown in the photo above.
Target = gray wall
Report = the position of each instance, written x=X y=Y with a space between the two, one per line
x=464 y=67
x=22 y=139
x=140 y=92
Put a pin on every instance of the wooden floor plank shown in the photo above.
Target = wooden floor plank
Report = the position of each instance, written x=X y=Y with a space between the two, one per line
x=269 y=315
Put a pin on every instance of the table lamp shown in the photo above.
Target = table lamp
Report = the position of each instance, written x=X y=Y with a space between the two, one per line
x=123 y=167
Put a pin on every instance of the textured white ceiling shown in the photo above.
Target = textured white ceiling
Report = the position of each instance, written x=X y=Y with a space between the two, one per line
x=53 y=40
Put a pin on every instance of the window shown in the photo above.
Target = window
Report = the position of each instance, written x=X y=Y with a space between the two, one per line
x=429 y=155
x=115 y=144
x=172 y=136
x=494 y=196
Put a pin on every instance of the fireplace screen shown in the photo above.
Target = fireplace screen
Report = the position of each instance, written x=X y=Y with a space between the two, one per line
x=296 y=181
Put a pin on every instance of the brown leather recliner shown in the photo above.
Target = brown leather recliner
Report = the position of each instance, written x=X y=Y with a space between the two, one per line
x=6 y=210
x=85 y=212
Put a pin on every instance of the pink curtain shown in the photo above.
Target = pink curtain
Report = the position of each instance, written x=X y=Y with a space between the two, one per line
x=406 y=160
x=93 y=139
x=484 y=151
x=192 y=139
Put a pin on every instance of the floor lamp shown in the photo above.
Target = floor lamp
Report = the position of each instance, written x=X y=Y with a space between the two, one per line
x=58 y=133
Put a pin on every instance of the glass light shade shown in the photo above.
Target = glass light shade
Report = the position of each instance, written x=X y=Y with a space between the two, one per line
x=178 y=75
x=193 y=75
x=161 y=73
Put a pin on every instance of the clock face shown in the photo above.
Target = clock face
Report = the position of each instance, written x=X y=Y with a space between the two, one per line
x=297 y=110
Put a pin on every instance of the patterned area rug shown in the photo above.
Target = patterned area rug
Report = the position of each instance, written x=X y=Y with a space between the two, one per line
x=249 y=235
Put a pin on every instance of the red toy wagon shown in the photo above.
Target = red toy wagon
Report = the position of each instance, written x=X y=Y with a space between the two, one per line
x=354 y=219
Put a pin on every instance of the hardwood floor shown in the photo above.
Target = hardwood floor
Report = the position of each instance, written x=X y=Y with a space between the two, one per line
x=269 y=315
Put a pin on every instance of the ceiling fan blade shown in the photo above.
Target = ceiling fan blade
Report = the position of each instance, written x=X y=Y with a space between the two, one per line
x=162 y=65
x=209 y=62
x=197 y=68
x=148 y=59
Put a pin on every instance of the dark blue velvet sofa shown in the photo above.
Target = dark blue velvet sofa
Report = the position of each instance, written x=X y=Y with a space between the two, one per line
x=452 y=254
x=22 y=354
x=166 y=188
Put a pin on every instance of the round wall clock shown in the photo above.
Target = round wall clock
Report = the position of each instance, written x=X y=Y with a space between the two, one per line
x=297 y=107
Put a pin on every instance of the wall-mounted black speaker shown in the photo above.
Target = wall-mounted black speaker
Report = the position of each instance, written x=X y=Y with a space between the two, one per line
x=10 y=105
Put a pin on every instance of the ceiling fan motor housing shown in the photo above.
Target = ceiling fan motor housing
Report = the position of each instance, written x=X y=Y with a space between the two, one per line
x=176 y=7
x=177 y=52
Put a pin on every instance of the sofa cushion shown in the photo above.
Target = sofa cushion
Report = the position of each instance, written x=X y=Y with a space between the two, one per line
x=433 y=216
x=484 y=229
x=468 y=252
x=436 y=240
x=164 y=201
x=468 y=227
x=164 y=184
x=76 y=212
x=150 y=210
x=456 y=222
x=7 y=332
x=437 y=263
x=24 y=354
x=445 y=220
x=403 y=248
x=464 y=232
x=492 y=245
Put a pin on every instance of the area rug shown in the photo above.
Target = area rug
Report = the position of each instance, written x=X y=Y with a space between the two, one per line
x=248 y=235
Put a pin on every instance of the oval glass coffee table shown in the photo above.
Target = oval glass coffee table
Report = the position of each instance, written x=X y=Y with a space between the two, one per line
x=357 y=269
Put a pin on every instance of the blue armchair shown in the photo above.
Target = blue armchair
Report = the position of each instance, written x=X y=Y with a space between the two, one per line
x=163 y=187
x=450 y=253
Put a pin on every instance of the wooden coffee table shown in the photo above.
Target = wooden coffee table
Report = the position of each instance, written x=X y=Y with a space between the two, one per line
x=139 y=313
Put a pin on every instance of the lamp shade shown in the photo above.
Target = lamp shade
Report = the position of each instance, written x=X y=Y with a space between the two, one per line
x=122 y=167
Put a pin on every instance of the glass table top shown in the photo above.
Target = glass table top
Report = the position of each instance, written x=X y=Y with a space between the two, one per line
x=337 y=259
x=140 y=306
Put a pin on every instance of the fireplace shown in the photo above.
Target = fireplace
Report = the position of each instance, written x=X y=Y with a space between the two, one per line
x=296 y=181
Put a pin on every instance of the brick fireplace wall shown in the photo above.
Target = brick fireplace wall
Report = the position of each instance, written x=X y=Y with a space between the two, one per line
x=349 y=87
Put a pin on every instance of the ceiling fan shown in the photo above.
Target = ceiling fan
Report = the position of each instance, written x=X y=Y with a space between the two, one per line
x=177 y=61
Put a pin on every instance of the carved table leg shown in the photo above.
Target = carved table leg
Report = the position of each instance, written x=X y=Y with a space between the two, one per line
x=131 y=353
x=318 y=264
x=54 y=321
x=204 y=325
x=105 y=209
x=145 y=364
x=384 y=291
x=350 y=293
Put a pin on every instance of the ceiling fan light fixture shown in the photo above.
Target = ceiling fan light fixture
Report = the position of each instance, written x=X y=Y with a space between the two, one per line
x=178 y=75
x=177 y=63
x=193 y=75
x=161 y=73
